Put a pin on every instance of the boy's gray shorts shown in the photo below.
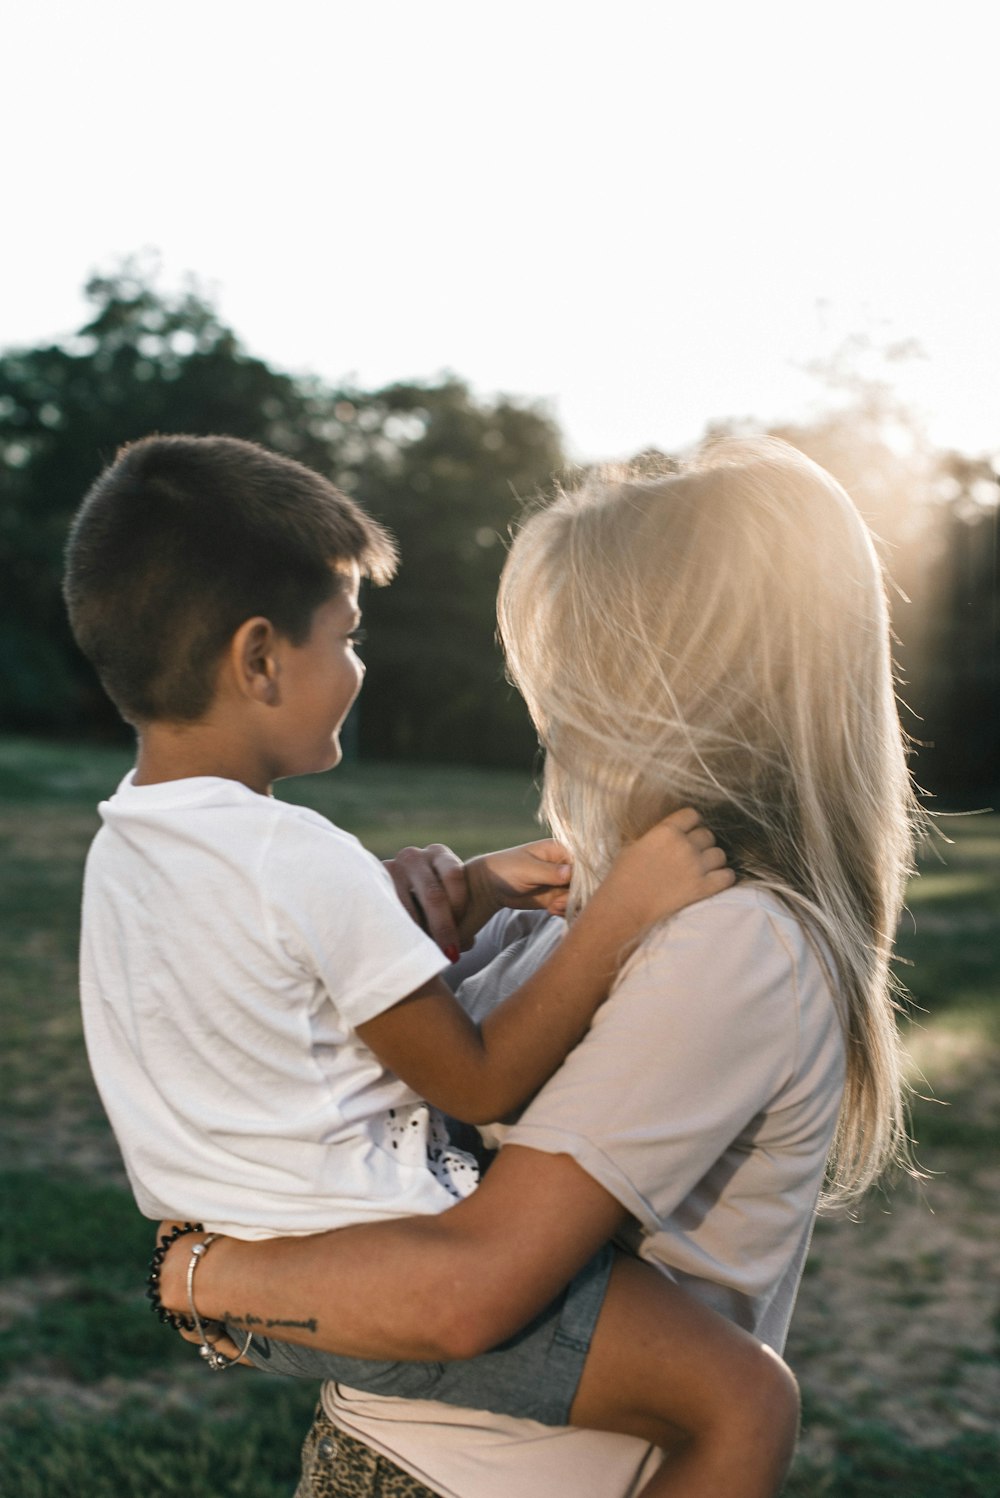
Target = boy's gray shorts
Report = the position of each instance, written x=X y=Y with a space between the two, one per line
x=533 y=1374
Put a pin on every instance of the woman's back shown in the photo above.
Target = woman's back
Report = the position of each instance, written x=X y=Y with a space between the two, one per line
x=704 y=1097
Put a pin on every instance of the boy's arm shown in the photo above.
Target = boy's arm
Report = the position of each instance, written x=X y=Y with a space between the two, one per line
x=481 y=1073
x=453 y=900
x=533 y=876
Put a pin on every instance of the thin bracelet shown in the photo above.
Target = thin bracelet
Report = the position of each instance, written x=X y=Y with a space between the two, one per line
x=217 y=1361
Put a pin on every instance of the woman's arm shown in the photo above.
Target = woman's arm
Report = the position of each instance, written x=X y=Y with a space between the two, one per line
x=427 y=1288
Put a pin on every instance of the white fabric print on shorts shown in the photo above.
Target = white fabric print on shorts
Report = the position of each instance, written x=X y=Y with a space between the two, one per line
x=417 y=1135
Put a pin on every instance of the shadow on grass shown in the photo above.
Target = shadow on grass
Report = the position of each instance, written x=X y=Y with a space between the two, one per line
x=138 y=1453
x=99 y=1399
x=871 y=1462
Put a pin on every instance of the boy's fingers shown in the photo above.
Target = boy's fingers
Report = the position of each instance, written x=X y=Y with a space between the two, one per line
x=552 y=876
x=549 y=852
x=685 y=820
x=456 y=889
x=713 y=883
x=437 y=916
x=431 y=884
x=400 y=877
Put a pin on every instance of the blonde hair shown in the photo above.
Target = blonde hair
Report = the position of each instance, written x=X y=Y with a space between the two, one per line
x=719 y=637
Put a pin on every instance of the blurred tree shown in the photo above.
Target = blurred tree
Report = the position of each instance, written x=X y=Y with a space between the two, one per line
x=935 y=516
x=447 y=474
x=143 y=363
x=963 y=688
x=442 y=469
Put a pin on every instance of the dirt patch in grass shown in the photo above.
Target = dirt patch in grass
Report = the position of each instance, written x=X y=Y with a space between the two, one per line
x=897 y=1321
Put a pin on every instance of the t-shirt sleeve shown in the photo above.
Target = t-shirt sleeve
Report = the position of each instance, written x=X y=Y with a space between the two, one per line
x=335 y=913
x=698 y=1036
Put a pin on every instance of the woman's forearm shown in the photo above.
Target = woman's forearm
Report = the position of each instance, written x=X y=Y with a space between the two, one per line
x=338 y=1291
x=424 y=1288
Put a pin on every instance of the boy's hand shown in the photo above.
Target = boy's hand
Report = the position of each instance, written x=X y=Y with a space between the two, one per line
x=674 y=864
x=533 y=876
x=432 y=886
x=452 y=900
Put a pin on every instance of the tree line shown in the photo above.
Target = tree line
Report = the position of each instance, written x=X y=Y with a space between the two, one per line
x=448 y=473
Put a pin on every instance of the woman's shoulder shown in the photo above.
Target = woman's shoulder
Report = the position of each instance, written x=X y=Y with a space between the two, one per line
x=751 y=971
x=746 y=905
x=747 y=935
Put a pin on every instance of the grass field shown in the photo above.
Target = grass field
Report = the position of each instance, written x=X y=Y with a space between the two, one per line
x=897 y=1335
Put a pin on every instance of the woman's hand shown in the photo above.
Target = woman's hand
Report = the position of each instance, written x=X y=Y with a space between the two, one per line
x=173 y=1291
x=453 y=900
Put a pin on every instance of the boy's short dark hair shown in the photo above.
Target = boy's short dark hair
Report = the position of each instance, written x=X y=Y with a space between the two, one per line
x=180 y=540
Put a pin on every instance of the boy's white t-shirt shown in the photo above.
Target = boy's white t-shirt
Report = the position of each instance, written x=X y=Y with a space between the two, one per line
x=231 y=944
x=704 y=1099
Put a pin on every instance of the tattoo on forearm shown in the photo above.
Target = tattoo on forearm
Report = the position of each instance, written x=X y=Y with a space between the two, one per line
x=268 y=1323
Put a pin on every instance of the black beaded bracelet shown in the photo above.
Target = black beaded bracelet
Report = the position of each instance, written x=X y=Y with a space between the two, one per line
x=169 y=1318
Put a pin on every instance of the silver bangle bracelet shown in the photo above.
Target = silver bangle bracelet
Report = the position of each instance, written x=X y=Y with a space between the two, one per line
x=216 y=1361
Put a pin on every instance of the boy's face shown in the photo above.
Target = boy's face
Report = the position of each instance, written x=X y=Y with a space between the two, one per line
x=319 y=681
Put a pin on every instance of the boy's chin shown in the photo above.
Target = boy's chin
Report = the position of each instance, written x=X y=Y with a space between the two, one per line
x=316 y=765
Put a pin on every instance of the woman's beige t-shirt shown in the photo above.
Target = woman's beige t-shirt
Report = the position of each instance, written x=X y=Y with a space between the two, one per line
x=704 y=1099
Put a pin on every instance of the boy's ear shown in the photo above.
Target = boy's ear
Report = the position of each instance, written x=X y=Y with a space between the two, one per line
x=253 y=659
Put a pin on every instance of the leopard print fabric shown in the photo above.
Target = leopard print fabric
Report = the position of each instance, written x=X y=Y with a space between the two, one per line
x=335 y=1465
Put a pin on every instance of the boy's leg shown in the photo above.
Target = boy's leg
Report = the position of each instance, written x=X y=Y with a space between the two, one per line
x=622 y=1349
x=665 y=1368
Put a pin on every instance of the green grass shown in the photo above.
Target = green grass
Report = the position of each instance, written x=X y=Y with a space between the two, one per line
x=248 y=1449
x=868 y=1461
x=97 y=1400
x=949 y=947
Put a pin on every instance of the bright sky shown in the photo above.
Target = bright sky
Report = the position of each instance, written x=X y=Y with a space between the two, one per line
x=651 y=214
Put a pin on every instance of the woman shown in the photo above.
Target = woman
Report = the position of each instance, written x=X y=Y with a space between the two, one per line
x=717 y=637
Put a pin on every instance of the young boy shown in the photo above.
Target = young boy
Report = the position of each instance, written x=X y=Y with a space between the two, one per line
x=263 y=1019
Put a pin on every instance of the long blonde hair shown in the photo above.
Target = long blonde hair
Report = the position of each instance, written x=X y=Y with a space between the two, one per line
x=719 y=637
